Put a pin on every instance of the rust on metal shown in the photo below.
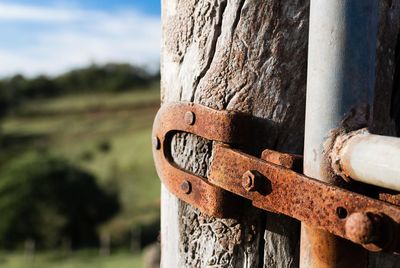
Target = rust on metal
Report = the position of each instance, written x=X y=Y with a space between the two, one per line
x=313 y=202
x=390 y=197
x=249 y=180
x=186 y=187
x=364 y=228
x=290 y=161
x=190 y=118
x=210 y=124
x=268 y=182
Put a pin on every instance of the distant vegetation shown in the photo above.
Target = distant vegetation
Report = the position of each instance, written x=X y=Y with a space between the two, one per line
x=95 y=78
x=76 y=169
x=50 y=201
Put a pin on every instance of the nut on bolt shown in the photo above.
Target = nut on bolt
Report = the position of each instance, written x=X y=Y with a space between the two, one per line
x=249 y=180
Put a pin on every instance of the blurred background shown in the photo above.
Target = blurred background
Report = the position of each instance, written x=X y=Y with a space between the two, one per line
x=79 y=88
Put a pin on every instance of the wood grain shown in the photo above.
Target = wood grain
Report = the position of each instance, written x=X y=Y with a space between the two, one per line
x=249 y=56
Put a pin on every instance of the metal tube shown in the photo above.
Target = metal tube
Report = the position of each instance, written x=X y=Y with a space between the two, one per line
x=368 y=158
x=340 y=83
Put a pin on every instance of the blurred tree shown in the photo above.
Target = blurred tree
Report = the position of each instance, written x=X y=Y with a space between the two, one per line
x=47 y=199
x=40 y=87
x=10 y=92
x=110 y=78
x=4 y=103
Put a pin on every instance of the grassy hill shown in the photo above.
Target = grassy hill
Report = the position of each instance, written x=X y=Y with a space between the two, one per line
x=107 y=134
x=82 y=259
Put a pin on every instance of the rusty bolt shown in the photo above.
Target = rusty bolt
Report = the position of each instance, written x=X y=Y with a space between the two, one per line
x=362 y=228
x=190 y=118
x=156 y=143
x=249 y=180
x=186 y=187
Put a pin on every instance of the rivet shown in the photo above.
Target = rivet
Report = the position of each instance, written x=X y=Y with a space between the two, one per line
x=156 y=143
x=362 y=228
x=190 y=118
x=186 y=187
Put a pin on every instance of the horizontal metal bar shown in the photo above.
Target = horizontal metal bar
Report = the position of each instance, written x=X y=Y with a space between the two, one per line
x=368 y=158
x=361 y=219
x=270 y=182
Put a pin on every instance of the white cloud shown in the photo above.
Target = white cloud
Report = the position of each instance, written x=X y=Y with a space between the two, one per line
x=18 y=12
x=65 y=38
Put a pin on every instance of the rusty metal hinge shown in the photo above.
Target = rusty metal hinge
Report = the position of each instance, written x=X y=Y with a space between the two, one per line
x=270 y=182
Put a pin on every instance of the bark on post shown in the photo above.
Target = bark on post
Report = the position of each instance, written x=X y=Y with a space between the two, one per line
x=249 y=56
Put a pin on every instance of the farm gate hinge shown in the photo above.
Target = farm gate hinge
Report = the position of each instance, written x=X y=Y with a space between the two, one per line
x=273 y=182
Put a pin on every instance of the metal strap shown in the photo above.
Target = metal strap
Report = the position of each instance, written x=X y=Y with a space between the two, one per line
x=268 y=182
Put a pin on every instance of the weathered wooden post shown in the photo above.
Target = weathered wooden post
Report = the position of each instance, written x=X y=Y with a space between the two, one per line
x=247 y=56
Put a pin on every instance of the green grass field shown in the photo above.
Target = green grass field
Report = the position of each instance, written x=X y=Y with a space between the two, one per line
x=108 y=135
x=82 y=259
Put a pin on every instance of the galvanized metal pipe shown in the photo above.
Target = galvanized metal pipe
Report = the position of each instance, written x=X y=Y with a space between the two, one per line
x=368 y=158
x=341 y=78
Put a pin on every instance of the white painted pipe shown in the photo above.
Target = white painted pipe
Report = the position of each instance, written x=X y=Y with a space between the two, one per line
x=340 y=84
x=341 y=71
x=368 y=158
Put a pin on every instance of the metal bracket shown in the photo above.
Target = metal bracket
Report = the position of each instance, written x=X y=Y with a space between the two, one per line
x=269 y=182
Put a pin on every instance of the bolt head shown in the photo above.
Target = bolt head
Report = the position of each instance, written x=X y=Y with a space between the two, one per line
x=186 y=187
x=190 y=118
x=249 y=180
x=362 y=227
x=156 y=143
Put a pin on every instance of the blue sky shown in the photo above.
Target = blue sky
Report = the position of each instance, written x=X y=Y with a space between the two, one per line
x=147 y=6
x=52 y=36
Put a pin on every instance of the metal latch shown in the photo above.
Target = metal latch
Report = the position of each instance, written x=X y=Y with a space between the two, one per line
x=272 y=182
